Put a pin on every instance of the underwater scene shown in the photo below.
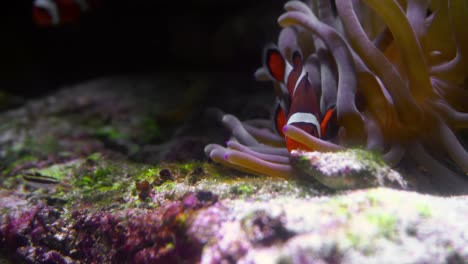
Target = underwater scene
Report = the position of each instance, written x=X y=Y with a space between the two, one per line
x=315 y=131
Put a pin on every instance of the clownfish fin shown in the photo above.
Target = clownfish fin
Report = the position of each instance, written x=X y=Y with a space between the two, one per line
x=328 y=126
x=278 y=69
x=279 y=117
x=275 y=63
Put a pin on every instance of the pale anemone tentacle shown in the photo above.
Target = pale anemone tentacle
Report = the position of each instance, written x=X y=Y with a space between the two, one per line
x=238 y=131
x=328 y=74
x=452 y=70
x=271 y=150
x=455 y=69
x=287 y=42
x=264 y=135
x=312 y=67
x=394 y=155
x=451 y=93
x=253 y=163
x=443 y=176
x=378 y=103
x=217 y=153
x=408 y=45
x=372 y=24
x=300 y=7
x=383 y=40
x=407 y=109
x=328 y=80
x=375 y=139
x=306 y=41
x=254 y=158
x=439 y=31
x=416 y=14
x=453 y=147
x=310 y=141
x=325 y=13
x=458 y=10
x=266 y=157
x=458 y=119
x=258 y=123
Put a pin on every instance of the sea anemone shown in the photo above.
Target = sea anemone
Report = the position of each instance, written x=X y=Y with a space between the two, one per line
x=397 y=73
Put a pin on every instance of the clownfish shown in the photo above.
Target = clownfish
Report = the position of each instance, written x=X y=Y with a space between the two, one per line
x=47 y=13
x=298 y=101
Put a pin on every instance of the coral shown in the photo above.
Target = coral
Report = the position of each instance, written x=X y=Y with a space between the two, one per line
x=393 y=71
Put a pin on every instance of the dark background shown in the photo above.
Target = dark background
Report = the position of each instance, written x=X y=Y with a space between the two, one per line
x=133 y=36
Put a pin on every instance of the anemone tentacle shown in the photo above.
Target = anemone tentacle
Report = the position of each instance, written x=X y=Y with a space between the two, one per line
x=266 y=157
x=217 y=154
x=406 y=107
x=458 y=119
x=375 y=138
x=407 y=43
x=310 y=141
x=394 y=155
x=271 y=150
x=453 y=147
x=238 y=131
x=252 y=163
x=444 y=177
x=265 y=135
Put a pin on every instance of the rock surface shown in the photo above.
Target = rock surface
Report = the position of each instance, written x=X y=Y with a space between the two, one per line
x=107 y=174
x=349 y=169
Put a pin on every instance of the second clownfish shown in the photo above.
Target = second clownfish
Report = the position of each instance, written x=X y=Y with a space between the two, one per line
x=47 y=13
x=298 y=100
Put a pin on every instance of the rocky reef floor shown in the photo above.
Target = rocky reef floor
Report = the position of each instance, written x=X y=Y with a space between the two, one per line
x=113 y=171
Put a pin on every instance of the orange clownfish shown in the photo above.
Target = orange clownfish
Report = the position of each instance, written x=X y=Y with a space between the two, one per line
x=298 y=101
x=46 y=13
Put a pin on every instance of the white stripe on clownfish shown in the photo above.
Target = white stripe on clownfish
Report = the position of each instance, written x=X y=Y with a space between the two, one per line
x=307 y=118
x=303 y=73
